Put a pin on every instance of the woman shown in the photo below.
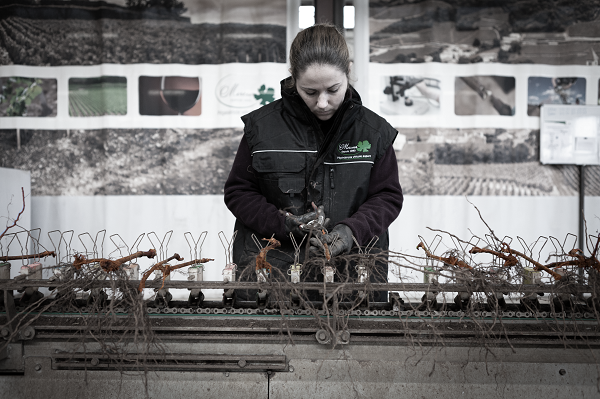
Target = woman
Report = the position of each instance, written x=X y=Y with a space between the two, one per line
x=316 y=145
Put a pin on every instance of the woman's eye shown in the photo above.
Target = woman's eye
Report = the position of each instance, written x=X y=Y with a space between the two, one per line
x=333 y=91
x=311 y=93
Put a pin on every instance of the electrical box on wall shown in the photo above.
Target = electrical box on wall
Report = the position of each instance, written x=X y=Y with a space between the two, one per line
x=570 y=134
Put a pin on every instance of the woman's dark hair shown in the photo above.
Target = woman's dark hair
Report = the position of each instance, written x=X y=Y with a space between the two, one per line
x=321 y=44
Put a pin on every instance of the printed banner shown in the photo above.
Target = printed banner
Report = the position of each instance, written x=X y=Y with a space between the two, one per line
x=464 y=84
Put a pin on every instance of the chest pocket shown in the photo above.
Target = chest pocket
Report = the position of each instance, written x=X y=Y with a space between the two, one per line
x=281 y=170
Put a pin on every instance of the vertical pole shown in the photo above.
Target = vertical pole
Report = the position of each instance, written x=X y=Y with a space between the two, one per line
x=361 y=49
x=330 y=11
x=581 y=214
x=581 y=207
x=293 y=26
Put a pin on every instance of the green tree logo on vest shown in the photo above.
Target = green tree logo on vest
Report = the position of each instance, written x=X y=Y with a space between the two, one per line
x=363 y=146
x=265 y=97
x=347 y=152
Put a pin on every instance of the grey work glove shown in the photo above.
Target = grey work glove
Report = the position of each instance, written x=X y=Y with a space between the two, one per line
x=342 y=244
x=293 y=222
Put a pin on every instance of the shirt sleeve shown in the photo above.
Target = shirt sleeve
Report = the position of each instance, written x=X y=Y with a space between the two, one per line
x=246 y=202
x=384 y=201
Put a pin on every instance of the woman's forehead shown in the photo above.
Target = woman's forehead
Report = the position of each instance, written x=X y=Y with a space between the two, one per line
x=321 y=75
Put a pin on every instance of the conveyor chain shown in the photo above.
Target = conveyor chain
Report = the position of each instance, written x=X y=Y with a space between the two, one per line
x=375 y=313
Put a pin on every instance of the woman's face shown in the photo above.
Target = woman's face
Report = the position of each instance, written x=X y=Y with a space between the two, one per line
x=322 y=87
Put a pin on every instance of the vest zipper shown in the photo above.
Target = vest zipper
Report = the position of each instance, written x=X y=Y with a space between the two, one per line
x=332 y=186
x=331 y=182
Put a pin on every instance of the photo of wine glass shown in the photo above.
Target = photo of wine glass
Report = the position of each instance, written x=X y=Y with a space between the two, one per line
x=180 y=93
x=170 y=95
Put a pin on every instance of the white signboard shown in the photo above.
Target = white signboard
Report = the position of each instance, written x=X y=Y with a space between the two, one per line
x=570 y=135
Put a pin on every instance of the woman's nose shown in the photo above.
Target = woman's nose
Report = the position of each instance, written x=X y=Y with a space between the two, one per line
x=322 y=101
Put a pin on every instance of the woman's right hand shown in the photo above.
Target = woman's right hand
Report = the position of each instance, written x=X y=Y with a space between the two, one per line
x=293 y=222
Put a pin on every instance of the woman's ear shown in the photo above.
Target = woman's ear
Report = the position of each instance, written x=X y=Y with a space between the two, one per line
x=351 y=77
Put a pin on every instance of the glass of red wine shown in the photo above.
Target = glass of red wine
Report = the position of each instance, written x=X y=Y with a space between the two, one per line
x=180 y=93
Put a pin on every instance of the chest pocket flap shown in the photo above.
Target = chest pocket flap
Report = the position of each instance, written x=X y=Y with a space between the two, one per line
x=282 y=168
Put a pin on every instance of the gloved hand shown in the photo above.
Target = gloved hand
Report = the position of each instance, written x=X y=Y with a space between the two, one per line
x=319 y=223
x=293 y=222
x=343 y=244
